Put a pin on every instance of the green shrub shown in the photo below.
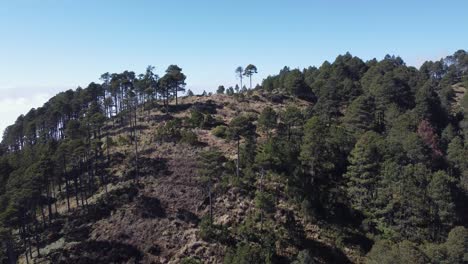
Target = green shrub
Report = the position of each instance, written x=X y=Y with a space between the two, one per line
x=264 y=201
x=208 y=121
x=123 y=140
x=385 y=251
x=169 y=132
x=189 y=137
x=213 y=233
x=219 y=131
x=246 y=253
x=196 y=119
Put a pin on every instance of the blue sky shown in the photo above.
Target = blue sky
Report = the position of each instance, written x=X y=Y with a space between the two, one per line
x=51 y=45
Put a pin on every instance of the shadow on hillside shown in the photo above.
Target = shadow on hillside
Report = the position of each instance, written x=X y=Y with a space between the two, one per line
x=147 y=167
x=326 y=253
x=98 y=252
x=126 y=130
x=178 y=108
x=187 y=216
x=150 y=207
x=76 y=227
x=161 y=118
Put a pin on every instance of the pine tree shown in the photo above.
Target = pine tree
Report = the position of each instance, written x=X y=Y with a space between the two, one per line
x=209 y=169
x=239 y=127
x=442 y=205
x=267 y=120
x=359 y=115
x=315 y=152
x=362 y=175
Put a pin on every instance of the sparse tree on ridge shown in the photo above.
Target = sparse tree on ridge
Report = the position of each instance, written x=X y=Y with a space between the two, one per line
x=220 y=90
x=249 y=71
x=240 y=71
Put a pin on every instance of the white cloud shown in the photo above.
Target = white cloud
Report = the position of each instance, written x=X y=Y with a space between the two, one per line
x=12 y=107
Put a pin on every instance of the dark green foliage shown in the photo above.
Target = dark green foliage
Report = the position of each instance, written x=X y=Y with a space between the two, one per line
x=249 y=71
x=267 y=120
x=264 y=201
x=213 y=233
x=170 y=132
x=220 y=90
x=360 y=115
x=295 y=85
x=196 y=118
x=386 y=252
x=363 y=170
x=269 y=155
x=240 y=126
x=442 y=204
x=457 y=245
x=246 y=253
x=291 y=123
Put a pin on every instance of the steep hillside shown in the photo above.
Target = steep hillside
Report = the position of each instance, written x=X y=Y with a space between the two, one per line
x=352 y=162
x=156 y=219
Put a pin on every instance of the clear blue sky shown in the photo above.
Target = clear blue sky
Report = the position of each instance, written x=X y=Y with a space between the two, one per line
x=51 y=45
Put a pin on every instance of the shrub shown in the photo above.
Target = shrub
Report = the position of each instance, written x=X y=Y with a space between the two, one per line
x=264 y=201
x=196 y=119
x=219 y=131
x=189 y=137
x=208 y=121
x=123 y=140
x=213 y=233
x=246 y=253
x=169 y=132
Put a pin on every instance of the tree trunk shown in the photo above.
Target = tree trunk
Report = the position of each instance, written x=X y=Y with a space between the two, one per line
x=44 y=222
x=84 y=197
x=67 y=192
x=136 y=146
x=76 y=191
x=49 y=204
x=211 y=204
x=240 y=76
x=238 y=159
x=67 y=187
x=36 y=233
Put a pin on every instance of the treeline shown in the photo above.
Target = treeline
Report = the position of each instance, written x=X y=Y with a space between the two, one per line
x=57 y=151
x=116 y=95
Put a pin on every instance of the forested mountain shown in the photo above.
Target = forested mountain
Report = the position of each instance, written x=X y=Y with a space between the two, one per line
x=352 y=162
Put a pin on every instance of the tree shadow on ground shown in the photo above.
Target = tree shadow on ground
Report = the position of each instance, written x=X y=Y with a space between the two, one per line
x=98 y=252
x=150 y=207
x=325 y=252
